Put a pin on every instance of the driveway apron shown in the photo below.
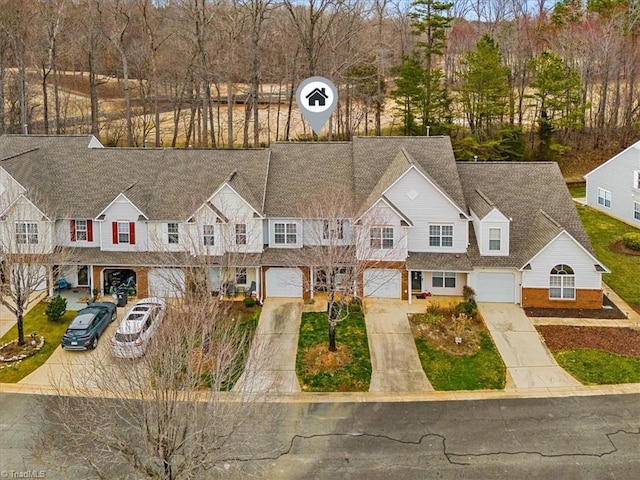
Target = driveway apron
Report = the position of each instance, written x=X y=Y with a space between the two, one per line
x=528 y=362
x=271 y=367
x=394 y=357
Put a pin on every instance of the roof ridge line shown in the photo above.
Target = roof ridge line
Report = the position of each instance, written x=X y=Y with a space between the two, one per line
x=18 y=154
x=485 y=198
x=550 y=218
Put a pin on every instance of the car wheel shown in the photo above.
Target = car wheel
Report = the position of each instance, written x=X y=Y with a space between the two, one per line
x=114 y=316
x=94 y=344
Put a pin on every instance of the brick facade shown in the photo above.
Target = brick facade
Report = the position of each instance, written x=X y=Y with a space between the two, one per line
x=539 y=298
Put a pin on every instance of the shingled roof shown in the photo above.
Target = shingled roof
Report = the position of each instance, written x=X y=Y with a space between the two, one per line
x=535 y=198
x=300 y=172
x=165 y=184
x=373 y=157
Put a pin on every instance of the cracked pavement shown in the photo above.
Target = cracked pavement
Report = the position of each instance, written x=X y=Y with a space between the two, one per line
x=590 y=437
x=570 y=438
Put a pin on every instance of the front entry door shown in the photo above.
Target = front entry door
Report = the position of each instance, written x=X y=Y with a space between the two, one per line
x=416 y=281
x=83 y=276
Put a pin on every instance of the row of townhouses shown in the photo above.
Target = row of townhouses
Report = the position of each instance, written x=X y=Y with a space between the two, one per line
x=420 y=221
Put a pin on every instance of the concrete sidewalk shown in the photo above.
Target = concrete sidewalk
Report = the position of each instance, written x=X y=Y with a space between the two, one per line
x=394 y=358
x=529 y=363
x=271 y=367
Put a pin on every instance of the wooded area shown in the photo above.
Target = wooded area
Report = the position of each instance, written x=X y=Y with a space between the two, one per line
x=507 y=79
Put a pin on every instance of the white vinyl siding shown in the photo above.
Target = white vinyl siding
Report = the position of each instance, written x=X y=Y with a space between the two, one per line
x=384 y=216
x=123 y=212
x=619 y=176
x=425 y=205
x=562 y=251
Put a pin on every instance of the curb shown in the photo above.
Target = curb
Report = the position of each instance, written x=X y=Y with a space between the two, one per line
x=364 y=397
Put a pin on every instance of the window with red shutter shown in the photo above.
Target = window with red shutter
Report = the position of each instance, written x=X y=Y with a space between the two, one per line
x=90 y=230
x=114 y=232
x=73 y=230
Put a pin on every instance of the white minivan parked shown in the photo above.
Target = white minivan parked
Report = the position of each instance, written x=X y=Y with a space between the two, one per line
x=137 y=328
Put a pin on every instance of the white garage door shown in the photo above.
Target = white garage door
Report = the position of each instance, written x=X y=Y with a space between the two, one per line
x=284 y=282
x=166 y=282
x=496 y=287
x=382 y=283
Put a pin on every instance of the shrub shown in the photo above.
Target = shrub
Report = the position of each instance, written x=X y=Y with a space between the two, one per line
x=468 y=293
x=56 y=309
x=467 y=308
x=249 y=302
x=632 y=240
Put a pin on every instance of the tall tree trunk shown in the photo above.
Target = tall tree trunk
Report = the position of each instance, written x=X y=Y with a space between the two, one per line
x=45 y=101
x=230 y=105
x=93 y=86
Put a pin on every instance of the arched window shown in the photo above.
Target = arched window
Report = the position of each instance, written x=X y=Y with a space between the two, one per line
x=562 y=283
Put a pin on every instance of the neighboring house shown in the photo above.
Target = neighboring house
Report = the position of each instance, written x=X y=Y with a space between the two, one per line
x=420 y=221
x=614 y=186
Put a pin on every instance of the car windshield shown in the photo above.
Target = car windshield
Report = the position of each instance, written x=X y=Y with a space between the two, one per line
x=82 y=321
x=126 y=337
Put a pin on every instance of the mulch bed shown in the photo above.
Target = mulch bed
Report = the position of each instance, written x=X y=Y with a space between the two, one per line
x=620 y=247
x=613 y=313
x=623 y=341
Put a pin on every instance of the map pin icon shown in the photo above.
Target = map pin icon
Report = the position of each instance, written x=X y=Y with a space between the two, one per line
x=317 y=97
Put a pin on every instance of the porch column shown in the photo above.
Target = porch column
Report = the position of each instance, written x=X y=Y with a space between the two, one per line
x=312 y=281
x=50 y=282
x=258 y=283
x=410 y=287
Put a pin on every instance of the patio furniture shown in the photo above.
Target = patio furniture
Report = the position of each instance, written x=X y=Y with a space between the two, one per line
x=251 y=290
x=240 y=289
x=230 y=290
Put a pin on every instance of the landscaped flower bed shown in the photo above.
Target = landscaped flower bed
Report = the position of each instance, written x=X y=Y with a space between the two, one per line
x=11 y=352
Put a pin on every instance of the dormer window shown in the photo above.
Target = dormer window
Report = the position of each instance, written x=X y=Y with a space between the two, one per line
x=494 y=239
x=81 y=230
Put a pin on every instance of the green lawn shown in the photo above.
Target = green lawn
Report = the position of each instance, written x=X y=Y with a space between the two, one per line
x=351 y=337
x=578 y=192
x=247 y=325
x=484 y=370
x=35 y=320
x=591 y=366
x=625 y=269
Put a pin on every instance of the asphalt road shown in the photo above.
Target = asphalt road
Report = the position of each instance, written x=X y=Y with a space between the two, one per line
x=563 y=438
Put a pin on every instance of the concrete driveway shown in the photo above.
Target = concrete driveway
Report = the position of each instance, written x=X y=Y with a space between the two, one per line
x=394 y=358
x=529 y=363
x=271 y=367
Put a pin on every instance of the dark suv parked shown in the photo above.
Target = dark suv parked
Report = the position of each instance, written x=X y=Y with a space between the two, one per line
x=86 y=328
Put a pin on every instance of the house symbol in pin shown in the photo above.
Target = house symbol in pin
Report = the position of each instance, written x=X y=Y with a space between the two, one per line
x=317 y=97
